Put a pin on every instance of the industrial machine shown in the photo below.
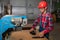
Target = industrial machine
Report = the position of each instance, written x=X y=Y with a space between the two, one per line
x=9 y=23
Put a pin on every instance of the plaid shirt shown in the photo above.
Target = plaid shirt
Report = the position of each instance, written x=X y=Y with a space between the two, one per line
x=47 y=22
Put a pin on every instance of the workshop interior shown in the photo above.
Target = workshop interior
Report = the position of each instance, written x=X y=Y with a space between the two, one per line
x=18 y=16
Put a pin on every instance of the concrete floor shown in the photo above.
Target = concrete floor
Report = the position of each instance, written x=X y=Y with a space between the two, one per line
x=55 y=34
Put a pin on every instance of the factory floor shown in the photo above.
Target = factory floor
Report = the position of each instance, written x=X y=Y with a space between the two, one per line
x=55 y=34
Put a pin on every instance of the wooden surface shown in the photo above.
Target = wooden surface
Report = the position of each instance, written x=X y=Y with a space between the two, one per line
x=28 y=25
x=23 y=35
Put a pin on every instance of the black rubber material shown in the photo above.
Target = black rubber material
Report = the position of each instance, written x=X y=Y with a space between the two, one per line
x=37 y=37
x=33 y=32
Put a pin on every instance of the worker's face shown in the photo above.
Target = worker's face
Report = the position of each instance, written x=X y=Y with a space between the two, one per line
x=42 y=10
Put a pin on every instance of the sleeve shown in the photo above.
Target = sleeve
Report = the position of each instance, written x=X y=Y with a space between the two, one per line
x=36 y=22
x=50 y=23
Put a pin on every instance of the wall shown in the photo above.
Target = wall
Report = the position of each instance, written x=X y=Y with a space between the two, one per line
x=18 y=7
x=19 y=10
x=32 y=10
x=26 y=7
x=17 y=2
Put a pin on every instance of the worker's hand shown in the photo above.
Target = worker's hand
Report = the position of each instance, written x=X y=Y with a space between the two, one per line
x=31 y=30
x=40 y=34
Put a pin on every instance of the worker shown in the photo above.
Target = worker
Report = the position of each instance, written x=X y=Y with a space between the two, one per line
x=45 y=20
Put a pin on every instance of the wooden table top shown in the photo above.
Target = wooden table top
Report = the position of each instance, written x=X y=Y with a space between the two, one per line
x=23 y=35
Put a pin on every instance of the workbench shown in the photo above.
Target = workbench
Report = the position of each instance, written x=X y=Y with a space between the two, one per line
x=23 y=35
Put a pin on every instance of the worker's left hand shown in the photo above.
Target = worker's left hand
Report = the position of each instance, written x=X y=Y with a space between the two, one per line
x=40 y=34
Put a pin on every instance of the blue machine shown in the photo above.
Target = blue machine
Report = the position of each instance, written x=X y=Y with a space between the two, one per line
x=5 y=23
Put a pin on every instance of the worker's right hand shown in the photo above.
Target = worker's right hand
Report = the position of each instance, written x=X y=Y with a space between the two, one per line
x=31 y=30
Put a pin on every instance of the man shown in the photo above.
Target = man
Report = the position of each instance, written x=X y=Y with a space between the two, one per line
x=45 y=20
